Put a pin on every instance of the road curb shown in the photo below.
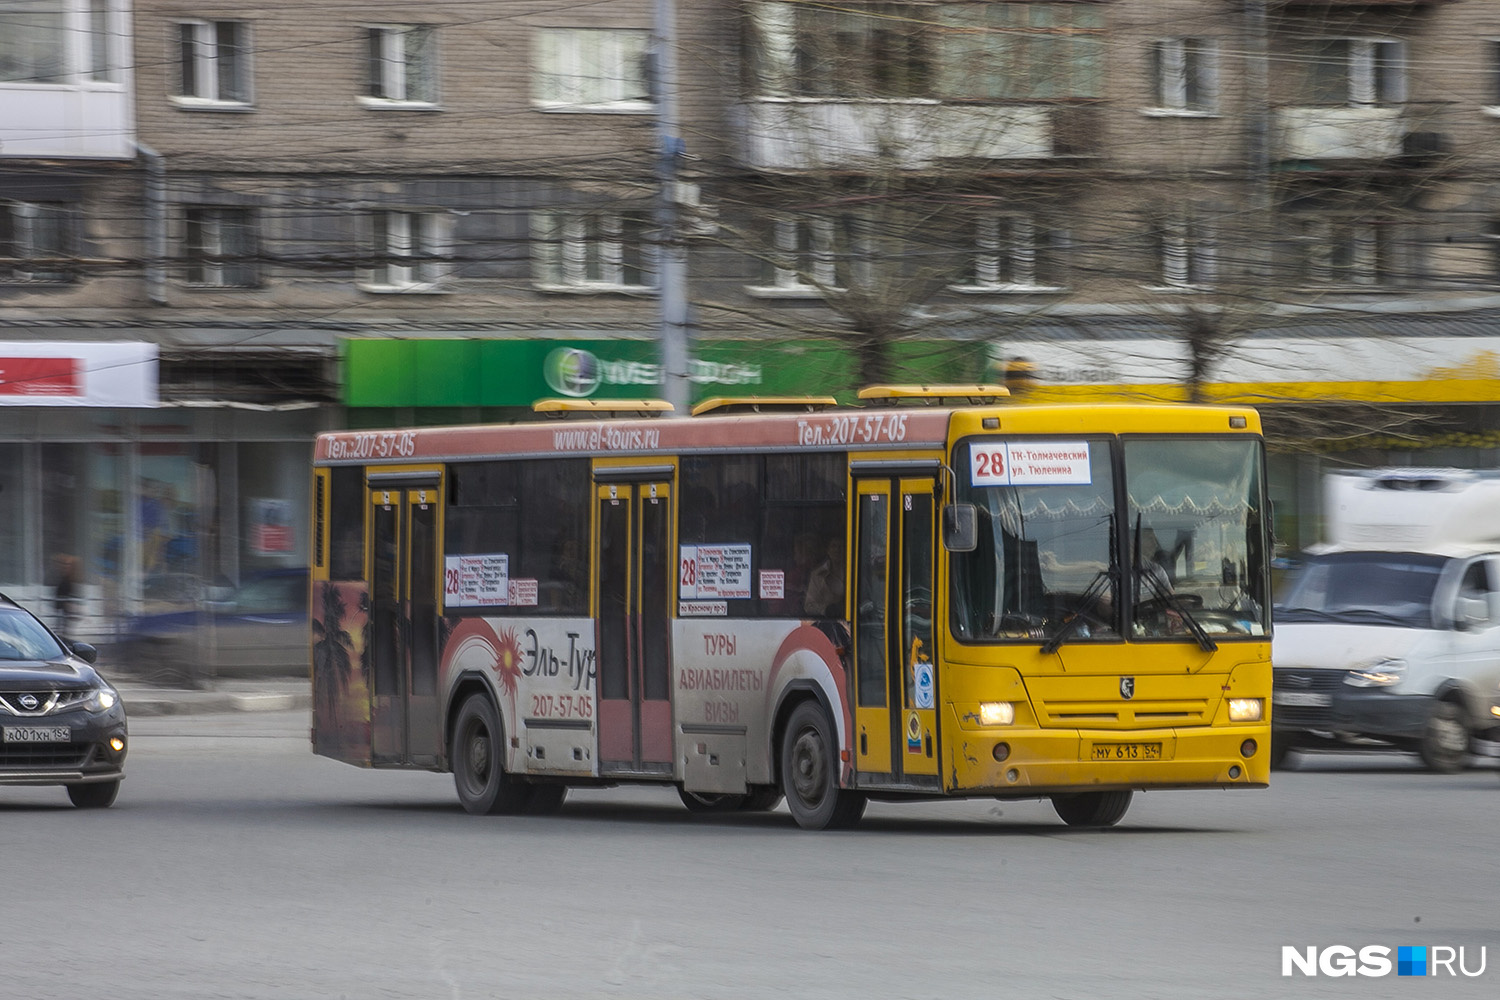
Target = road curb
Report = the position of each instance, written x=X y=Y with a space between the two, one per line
x=200 y=702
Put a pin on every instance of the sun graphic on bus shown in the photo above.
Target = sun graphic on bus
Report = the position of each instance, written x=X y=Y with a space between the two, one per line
x=508 y=659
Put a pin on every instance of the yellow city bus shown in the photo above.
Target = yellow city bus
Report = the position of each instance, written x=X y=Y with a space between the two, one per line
x=936 y=593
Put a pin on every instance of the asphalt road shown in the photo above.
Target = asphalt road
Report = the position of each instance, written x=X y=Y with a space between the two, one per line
x=236 y=864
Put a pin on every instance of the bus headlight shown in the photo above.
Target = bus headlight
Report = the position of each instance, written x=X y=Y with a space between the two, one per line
x=996 y=713
x=1246 y=709
x=1382 y=674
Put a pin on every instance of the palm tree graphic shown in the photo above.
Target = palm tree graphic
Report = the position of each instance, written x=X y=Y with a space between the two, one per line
x=332 y=663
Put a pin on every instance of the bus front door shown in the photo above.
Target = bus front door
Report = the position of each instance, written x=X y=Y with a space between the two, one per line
x=895 y=665
x=404 y=579
x=632 y=581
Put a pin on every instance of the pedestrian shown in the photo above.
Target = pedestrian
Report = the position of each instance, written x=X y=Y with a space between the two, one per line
x=65 y=597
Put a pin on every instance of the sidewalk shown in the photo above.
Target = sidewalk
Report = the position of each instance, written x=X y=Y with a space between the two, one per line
x=278 y=694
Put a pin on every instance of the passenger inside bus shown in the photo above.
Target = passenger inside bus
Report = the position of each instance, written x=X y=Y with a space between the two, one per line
x=825 y=587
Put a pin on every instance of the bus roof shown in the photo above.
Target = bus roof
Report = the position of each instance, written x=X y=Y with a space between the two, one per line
x=844 y=429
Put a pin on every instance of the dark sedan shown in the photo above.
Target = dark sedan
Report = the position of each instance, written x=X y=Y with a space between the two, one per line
x=260 y=630
x=60 y=722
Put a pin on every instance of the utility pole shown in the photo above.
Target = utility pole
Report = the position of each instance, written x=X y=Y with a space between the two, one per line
x=672 y=258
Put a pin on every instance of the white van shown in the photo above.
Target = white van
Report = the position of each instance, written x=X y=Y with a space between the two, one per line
x=1389 y=635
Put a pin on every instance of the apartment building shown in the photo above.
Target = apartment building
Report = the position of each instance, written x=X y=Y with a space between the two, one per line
x=340 y=214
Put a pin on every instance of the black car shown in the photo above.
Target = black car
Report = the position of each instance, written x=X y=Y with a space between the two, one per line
x=60 y=722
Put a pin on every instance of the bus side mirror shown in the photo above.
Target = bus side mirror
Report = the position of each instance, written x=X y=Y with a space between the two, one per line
x=960 y=527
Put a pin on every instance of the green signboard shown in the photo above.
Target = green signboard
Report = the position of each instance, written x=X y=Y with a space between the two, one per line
x=496 y=373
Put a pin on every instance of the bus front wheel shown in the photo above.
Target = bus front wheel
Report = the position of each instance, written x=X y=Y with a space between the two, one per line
x=477 y=755
x=1092 y=808
x=810 y=775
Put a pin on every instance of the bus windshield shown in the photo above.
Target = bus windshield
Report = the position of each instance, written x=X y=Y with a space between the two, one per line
x=1195 y=536
x=1054 y=552
x=1046 y=547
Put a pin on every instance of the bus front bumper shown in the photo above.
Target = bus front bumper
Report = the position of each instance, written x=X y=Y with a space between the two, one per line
x=1031 y=762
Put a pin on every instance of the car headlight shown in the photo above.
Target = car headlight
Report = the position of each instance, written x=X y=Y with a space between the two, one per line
x=1246 y=709
x=996 y=713
x=1382 y=674
x=102 y=700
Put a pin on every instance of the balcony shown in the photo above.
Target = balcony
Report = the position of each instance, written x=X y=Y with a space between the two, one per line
x=61 y=121
x=792 y=134
x=1411 y=133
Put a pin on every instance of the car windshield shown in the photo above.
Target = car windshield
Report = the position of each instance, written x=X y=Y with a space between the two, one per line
x=22 y=637
x=1364 y=588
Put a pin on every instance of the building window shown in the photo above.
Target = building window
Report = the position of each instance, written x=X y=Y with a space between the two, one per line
x=37 y=241
x=1185 y=75
x=220 y=247
x=1357 y=71
x=408 y=251
x=402 y=67
x=1345 y=252
x=214 y=58
x=1186 y=254
x=37 y=42
x=1012 y=253
x=590 y=250
x=943 y=51
x=591 y=69
x=810 y=255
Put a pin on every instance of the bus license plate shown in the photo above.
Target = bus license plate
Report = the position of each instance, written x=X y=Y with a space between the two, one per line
x=38 y=734
x=1127 y=751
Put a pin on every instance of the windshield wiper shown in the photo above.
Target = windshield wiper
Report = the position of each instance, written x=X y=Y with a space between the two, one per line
x=1169 y=598
x=1101 y=584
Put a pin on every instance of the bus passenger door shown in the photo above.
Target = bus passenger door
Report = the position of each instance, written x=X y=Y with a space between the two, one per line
x=895 y=668
x=424 y=579
x=632 y=581
x=387 y=650
x=403 y=647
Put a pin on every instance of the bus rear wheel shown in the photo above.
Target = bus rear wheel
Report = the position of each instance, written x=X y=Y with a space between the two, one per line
x=477 y=756
x=1092 y=808
x=810 y=776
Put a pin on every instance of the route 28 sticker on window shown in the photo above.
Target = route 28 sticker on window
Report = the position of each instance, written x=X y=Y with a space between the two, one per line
x=1030 y=463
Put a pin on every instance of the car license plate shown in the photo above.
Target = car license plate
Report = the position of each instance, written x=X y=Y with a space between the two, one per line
x=38 y=734
x=1127 y=751
x=1302 y=699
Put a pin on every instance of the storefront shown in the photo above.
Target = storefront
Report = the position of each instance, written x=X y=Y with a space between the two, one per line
x=395 y=382
x=155 y=503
